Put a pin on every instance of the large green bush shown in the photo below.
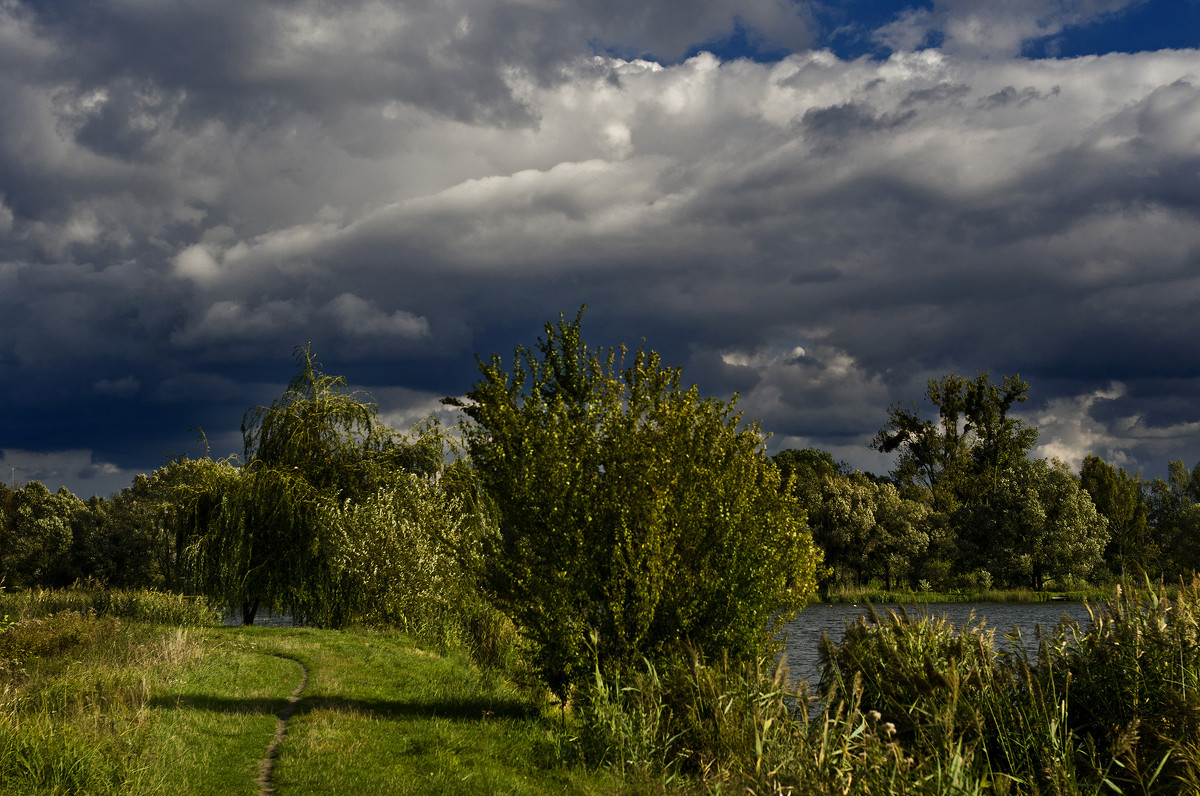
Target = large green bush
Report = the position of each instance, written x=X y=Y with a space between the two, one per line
x=629 y=507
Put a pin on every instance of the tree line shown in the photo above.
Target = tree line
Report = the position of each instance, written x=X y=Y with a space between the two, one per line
x=967 y=506
x=600 y=510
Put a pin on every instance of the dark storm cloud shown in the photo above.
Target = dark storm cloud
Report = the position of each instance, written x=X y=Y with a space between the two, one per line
x=188 y=191
x=261 y=61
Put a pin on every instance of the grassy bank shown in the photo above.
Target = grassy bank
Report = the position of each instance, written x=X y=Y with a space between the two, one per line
x=881 y=596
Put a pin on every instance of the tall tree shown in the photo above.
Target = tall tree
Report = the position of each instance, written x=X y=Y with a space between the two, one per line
x=962 y=456
x=1173 y=514
x=1120 y=498
x=632 y=510
x=35 y=544
x=1038 y=526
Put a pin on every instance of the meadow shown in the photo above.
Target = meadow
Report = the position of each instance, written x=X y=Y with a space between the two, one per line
x=146 y=693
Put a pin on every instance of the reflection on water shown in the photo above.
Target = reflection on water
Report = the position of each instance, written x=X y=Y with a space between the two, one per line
x=803 y=635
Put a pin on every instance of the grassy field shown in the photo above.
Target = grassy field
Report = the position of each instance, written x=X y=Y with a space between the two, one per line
x=98 y=704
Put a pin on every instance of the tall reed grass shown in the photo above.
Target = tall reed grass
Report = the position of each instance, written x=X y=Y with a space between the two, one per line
x=918 y=706
x=140 y=605
x=75 y=677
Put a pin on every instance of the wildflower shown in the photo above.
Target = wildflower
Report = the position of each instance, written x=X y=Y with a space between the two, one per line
x=874 y=716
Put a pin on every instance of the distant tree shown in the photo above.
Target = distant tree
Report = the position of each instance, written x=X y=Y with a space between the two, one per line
x=630 y=508
x=412 y=549
x=35 y=543
x=845 y=527
x=963 y=456
x=1071 y=542
x=867 y=529
x=1120 y=499
x=801 y=472
x=1173 y=515
x=904 y=534
x=1038 y=526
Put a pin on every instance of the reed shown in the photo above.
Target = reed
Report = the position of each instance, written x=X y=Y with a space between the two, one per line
x=73 y=693
x=918 y=706
x=142 y=605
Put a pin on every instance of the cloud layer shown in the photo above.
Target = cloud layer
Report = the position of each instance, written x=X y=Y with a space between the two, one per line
x=188 y=191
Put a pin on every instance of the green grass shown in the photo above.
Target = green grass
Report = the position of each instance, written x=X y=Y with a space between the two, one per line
x=73 y=693
x=880 y=596
x=382 y=715
x=97 y=704
x=213 y=722
x=140 y=605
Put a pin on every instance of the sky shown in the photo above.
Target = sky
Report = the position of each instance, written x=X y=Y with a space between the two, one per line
x=816 y=206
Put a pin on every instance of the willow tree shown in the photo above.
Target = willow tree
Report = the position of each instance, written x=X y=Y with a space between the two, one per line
x=266 y=539
x=634 y=514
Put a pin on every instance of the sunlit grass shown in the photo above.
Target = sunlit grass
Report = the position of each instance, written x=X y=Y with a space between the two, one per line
x=73 y=701
x=879 y=595
x=96 y=704
x=102 y=705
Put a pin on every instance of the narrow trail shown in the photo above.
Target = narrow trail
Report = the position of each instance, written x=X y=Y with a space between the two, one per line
x=267 y=766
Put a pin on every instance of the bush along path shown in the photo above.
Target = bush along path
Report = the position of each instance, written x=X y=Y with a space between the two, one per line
x=267 y=767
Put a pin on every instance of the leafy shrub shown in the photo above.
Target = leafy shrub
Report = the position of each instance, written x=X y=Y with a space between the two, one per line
x=630 y=506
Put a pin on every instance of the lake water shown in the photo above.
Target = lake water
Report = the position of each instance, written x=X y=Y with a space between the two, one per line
x=803 y=634
x=261 y=619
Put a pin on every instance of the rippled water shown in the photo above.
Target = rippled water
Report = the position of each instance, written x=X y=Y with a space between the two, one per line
x=804 y=633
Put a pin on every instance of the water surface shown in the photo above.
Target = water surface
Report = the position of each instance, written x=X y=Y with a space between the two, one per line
x=803 y=634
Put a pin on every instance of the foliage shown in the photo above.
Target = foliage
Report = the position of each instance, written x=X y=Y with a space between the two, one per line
x=134 y=539
x=866 y=527
x=630 y=507
x=413 y=549
x=1039 y=525
x=273 y=533
x=1173 y=506
x=36 y=535
x=1119 y=497
x=963 y=456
